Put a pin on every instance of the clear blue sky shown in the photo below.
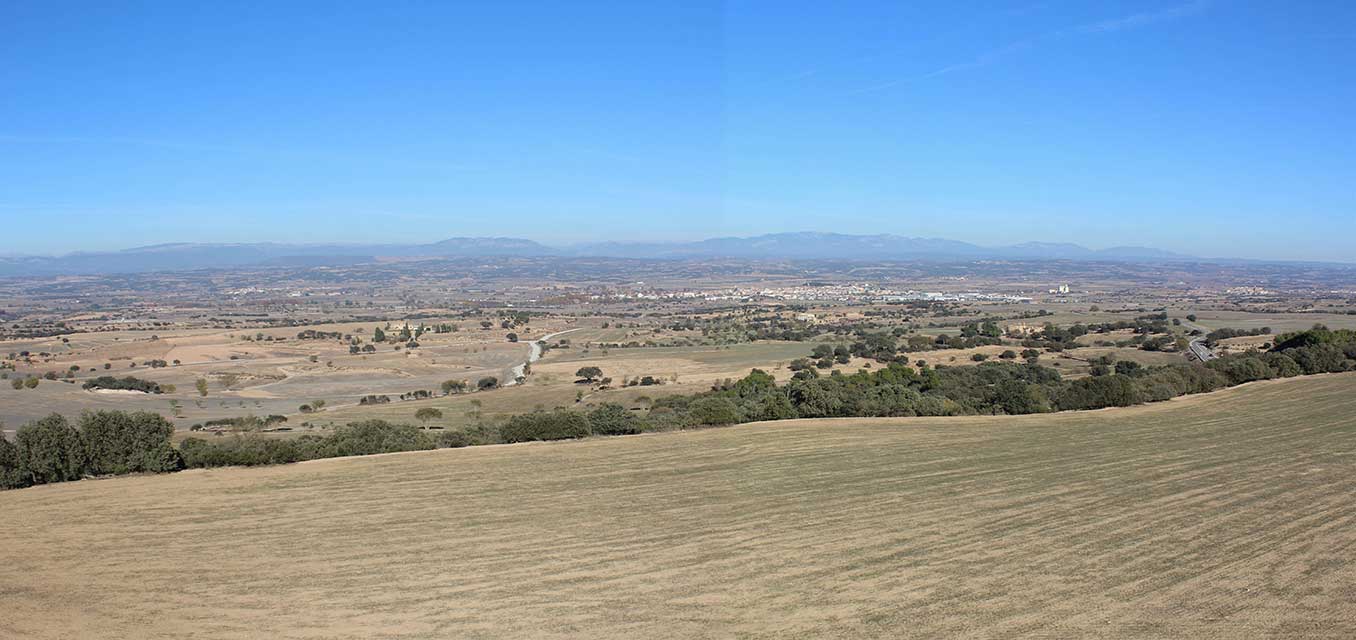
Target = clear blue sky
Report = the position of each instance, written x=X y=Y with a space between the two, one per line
x=1215 y=128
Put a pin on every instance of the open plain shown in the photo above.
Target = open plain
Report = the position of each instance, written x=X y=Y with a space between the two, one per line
x=1226 y=515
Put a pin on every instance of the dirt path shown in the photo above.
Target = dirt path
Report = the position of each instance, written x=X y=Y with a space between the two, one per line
x=533 y=355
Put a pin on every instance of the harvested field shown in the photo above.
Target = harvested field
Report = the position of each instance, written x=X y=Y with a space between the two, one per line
x=1228 y=515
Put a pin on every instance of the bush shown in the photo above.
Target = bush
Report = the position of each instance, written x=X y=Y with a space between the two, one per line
x=614 y=420
x=1100 y=392
x=50 y=450
x=715 y=411
x=454 y=440
x=1240 y=369
x=246 y=450
x=1318 y=358
x=1015 y=397
x=560 y=424
x=13 y=474
x=454 y=386
x=353 y=439
x=1282 y=365
x=127 y=383
x=117 y=442
x=374 y=436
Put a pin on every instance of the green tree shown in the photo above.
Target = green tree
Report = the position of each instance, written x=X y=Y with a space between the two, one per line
x=1127 y=367
x=561 y=424
x=13 y=474
x=454 y=386
x=119 y=442
x=590 y=374
x=612 y=419
x=201 y=384
x=50 y=450
x=427 y=415
x=1016 y=397
x=716 y=411
x=374 y=436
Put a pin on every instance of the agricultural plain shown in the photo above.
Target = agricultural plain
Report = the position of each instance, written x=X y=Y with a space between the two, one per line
x=1227 y=515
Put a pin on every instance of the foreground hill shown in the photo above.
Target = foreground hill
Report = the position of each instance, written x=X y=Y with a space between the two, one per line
x=1218 y=516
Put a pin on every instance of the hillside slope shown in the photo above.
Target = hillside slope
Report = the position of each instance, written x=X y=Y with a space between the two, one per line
x=1219 y=516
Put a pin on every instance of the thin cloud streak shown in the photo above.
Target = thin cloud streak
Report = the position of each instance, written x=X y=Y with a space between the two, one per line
x=984 y=60
x=1145 y=19
x=1125 y=23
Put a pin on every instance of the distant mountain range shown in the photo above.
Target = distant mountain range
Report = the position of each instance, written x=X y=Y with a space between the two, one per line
x=775 y=246
x=838 y=246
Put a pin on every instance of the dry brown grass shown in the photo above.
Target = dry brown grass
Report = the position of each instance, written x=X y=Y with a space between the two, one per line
x=272 y=377
x=1220 y=516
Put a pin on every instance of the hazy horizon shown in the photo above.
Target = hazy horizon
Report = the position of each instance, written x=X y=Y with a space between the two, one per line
x=567 y=247
x=1208 y=128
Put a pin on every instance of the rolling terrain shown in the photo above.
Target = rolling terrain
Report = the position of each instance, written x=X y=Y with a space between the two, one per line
x=1224 y=515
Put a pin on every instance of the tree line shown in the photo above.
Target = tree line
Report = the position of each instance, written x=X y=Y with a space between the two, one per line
x=114 y=442
x=99 y=443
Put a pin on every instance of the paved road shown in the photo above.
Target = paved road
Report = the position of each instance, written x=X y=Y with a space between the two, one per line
x=1197 y=345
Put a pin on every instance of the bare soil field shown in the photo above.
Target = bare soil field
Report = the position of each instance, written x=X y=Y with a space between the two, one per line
x=1227 y=515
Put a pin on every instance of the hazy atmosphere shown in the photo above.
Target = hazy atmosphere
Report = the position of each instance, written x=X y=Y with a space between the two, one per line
x=1185 y=126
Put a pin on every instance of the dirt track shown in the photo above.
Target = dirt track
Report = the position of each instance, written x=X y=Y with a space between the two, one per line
x=1221 y=516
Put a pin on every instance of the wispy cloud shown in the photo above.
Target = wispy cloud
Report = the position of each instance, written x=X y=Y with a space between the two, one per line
x=1123 y=23
x=1025 y=9
x=1145 y=19
x=983 y=60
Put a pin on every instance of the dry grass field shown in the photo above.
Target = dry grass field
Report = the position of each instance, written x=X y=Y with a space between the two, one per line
x=552 y=383
x=251 y=377
x=1279 y=322
x=1228 y=515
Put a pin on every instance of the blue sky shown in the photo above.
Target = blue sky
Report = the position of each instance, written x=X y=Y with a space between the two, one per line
x=1216 y=128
